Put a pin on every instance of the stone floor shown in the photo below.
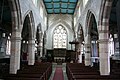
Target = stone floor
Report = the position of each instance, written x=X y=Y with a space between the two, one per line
x=54 y=65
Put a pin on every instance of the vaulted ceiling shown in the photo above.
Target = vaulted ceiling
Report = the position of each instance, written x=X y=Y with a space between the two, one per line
x=60 y=6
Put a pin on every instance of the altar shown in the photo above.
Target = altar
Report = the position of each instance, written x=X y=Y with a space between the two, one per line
x=59 y=55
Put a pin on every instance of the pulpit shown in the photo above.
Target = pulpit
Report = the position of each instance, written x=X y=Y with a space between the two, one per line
x=74 y=55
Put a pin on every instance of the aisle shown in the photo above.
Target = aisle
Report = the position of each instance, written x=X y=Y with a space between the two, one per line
x=58 y=74
x=63 y=67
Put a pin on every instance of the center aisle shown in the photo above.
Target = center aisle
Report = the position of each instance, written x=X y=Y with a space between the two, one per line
x=55 y=66
x=58 y=74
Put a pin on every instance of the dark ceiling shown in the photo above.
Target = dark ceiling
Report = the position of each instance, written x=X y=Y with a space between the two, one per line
x=113 y=18
x=5 y=16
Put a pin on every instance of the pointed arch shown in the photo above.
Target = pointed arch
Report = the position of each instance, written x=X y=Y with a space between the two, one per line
x=16 y=14
x=89 y=18
x=104 y=15
x=31 y=24
x=62 y=23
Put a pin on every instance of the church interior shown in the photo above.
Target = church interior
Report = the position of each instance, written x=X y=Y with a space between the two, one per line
x=59 y=39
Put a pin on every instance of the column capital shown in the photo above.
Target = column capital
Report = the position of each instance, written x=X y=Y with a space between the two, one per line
x=103 y=41
x=31 y=42
x=16 y=38
x=16 y=35
x=87 y=45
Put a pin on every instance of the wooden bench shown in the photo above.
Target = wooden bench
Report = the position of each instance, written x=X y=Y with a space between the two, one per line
x=81 y=72
x=36 y=72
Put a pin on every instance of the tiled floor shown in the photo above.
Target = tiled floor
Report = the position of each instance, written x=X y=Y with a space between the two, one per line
x=54 y=65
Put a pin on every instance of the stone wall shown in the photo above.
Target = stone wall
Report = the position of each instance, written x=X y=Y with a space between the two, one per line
x=91 y=5
x=59 y=19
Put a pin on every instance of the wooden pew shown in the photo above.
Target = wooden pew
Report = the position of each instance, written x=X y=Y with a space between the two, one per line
x=81 y=72
x=40 y=71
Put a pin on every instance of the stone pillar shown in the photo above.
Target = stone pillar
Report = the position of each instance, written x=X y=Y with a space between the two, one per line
x=79 y=54
x=40 y=49
x=80 y=58
x=104 y=54
x=15 y=52
x=31 y=52
x=87 y=51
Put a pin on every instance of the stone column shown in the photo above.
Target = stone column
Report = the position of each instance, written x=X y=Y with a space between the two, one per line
x=40 y=49
x=15 y=52
x=80 y=58
x=31 y=52
x=87 y=51
x=79 y=54
x=104 y=54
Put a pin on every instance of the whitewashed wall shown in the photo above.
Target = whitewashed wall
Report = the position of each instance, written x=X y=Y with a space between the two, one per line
x=28 y=5
x=82 y=10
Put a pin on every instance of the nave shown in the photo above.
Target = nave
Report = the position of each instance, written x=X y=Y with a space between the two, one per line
x=64 y=71
x=36 y=35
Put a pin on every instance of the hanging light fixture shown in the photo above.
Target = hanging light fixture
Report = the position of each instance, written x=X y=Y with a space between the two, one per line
x=115 y=36
x=3 y=34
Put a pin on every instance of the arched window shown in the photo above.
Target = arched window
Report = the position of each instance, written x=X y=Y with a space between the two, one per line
x=59 y=37
x=8 y=48
x=111 y=45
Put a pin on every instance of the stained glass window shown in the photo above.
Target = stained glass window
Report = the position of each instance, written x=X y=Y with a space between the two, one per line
x=59 y=37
